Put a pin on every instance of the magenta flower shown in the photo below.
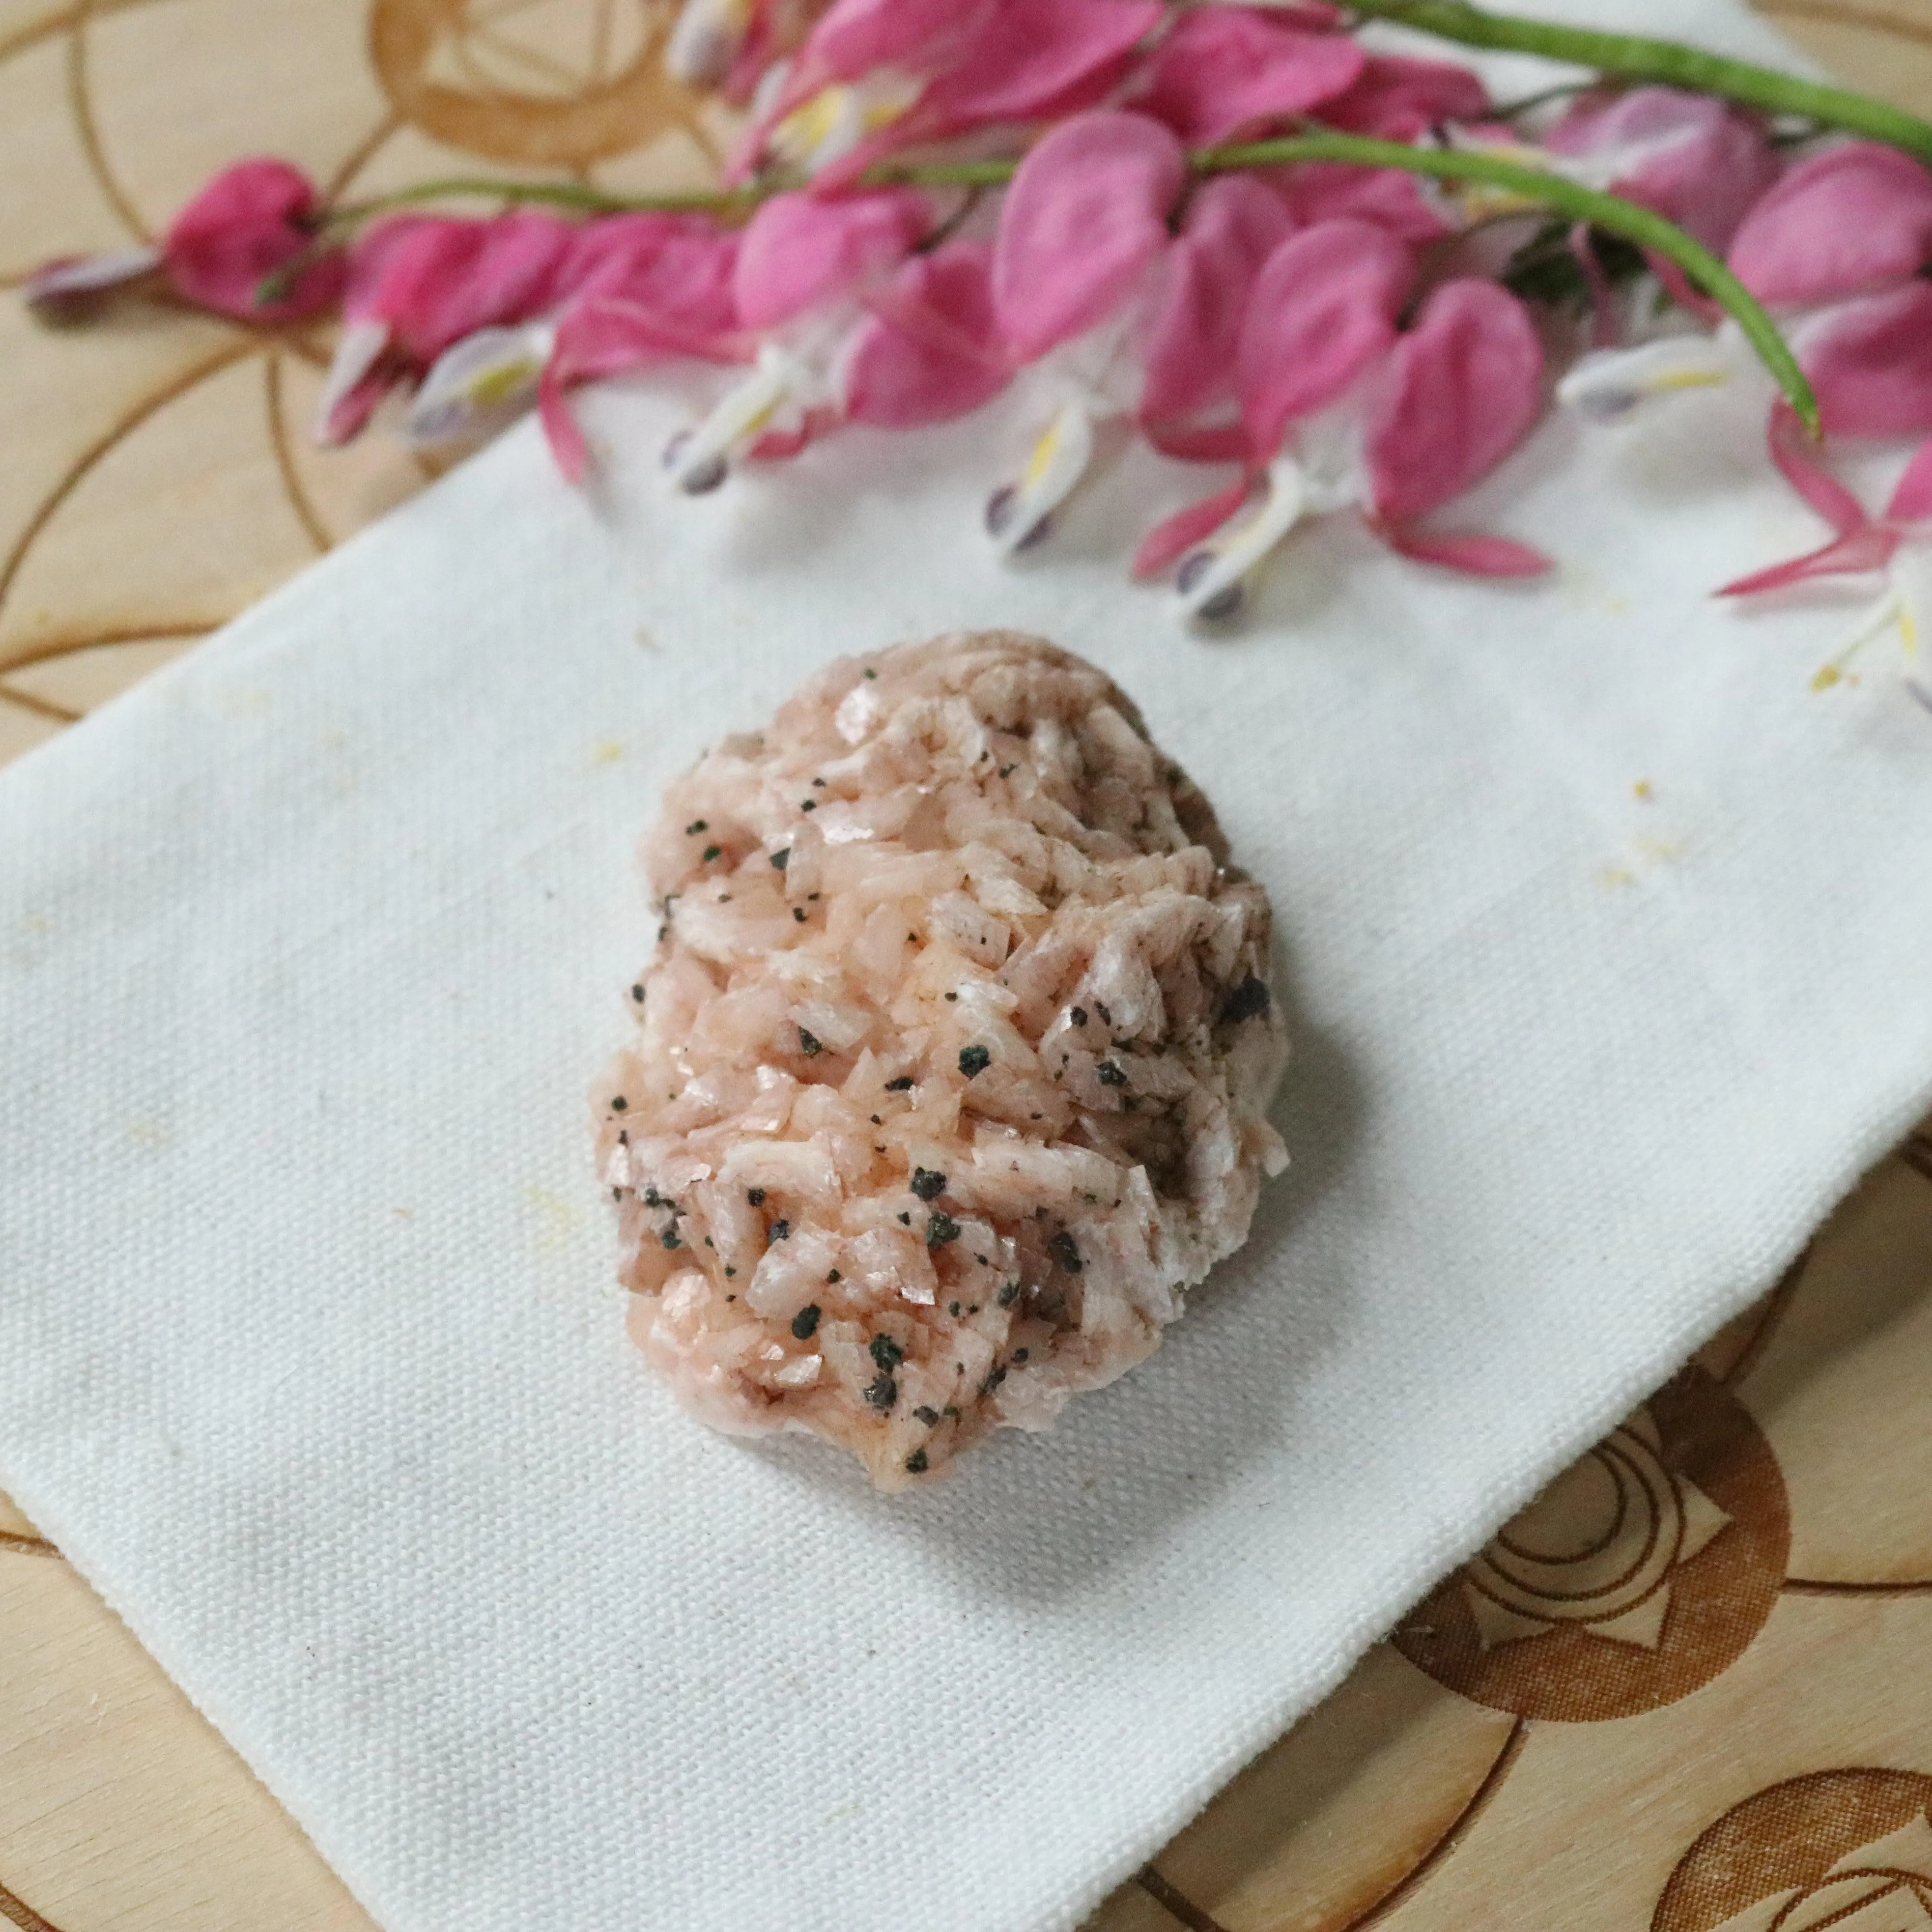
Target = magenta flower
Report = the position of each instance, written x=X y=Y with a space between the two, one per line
x=1835 y=249
x=1083 y=223
x=638 y=289
x=254 y=223
x=1393 y=98
x=1322 y=311
x=418 y=285
x=877 y=74
x=1226 y=70
x=1085 y=215
x=800 y=251
x=1465 y=388
x=1202 y=290
x=931 y=350
x=1694 y=160
x=1341 y=411
x=805 y=267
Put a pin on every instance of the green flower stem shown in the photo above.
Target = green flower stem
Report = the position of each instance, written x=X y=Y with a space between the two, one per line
x=1610 y=212
x=575 y=195
x=1637 y=57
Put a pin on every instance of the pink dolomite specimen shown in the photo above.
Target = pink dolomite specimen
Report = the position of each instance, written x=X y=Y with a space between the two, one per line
x=952 y=1062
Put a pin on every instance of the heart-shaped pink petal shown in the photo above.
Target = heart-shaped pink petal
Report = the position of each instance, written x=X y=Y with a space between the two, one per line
x=801 y=250
x=1205 y=281
x=1034 y=59
x=1226 y=69
x=1465 y=384
x=677 y=266
x=1324 y=308
x=931 y=350
x=1854 y=218
x=852 y=37
x=251 y=221
x=432 y=280
x=1336 y=191
x=1695 y=161
x=1085 y=214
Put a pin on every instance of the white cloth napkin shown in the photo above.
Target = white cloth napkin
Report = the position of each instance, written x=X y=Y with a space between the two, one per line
x=1605 y=940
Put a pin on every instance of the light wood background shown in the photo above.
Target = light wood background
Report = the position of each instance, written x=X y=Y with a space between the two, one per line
x=1690 y=1689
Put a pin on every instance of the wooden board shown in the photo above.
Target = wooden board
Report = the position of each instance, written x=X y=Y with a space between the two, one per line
x=1686 y=1690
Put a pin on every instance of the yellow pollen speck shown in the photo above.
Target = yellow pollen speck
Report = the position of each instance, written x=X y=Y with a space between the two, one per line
x=1641 y=789
x=1824 y=676
x=557 y=1217
x=606 y=751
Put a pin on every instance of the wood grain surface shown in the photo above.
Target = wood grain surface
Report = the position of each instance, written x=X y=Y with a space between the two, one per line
x=1687 y=1690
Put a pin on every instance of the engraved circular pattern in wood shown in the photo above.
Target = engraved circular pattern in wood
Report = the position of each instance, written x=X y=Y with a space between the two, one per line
x=1685 y=1690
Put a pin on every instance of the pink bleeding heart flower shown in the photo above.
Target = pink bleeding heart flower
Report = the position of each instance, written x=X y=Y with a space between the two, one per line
x=1895 y=546
x=800 y=251
x=677 y=268
x=640 y=288
x=1322 y=312
x=1465 y=387
x=931 y=350
x=1836 y=249
x=1203 y=286
x=246 y=246
x=1397 y=98
x=1226 y=70
x=1037 y=59
x=1854 y=218
x=1391 y=425
x=1693 y=160
x=251 y=222
x=1083 y=223
x=418 y=284
x=1085 y=216
x=877 y=74
x=1394 y=98
x=805 y=265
